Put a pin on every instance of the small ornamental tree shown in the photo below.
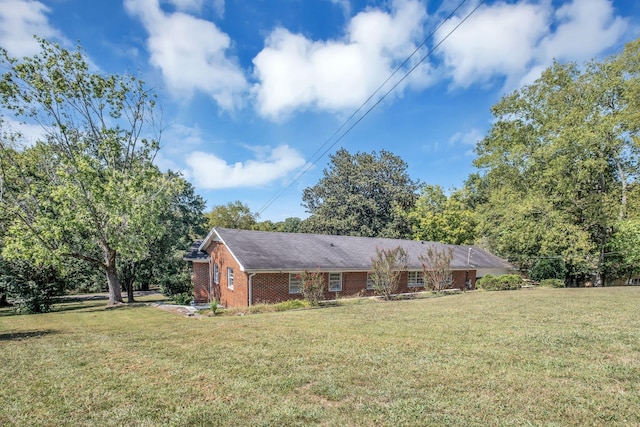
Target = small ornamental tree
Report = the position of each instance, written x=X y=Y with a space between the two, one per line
x=386 y=268
x=313 y=286
x=436 y=268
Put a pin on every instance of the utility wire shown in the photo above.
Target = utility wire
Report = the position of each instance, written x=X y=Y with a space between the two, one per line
x=315 y=157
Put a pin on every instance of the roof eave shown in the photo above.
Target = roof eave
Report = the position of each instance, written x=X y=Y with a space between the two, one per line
x=199 y=260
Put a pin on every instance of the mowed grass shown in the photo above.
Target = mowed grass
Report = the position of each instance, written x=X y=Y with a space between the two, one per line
x=529 y=357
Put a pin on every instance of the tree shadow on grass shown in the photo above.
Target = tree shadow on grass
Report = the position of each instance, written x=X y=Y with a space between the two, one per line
x=58 y=308
x=10 y=336
x=84 y=306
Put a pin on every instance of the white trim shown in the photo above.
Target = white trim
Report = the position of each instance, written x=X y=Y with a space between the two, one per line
x=369 y=280
x=198 y=261
x=209 y=238
x=216 y=273
x=230 y=275
x=297 y=278
x=419 y=279
x=329 y=282
x=326 y=270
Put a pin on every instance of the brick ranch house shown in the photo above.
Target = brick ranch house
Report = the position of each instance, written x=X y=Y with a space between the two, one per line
x=242 y=267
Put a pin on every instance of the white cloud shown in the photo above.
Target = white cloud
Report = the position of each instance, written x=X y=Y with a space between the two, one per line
x=181 y=137
x=187 y=5
x=585 y=28
x=19 y=21
x=294 y=72
x=218 y=6
x=496 y=40
x=467 y=139
x=191 y=53
x=516 y=41
x=31 y=133
x=195 y=6
x=345 y=5
x=470 y=137
x=210 y=172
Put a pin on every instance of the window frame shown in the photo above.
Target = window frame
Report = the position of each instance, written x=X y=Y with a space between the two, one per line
x=339 y=282
x=369 y=284
x=230 y=278
x=295 y=277
x=216 y=274
x=418 y=280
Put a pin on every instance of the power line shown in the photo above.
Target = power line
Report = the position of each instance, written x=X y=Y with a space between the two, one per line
x=315 y=157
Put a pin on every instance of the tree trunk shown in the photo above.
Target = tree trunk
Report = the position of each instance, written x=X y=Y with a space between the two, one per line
x=115 y=293
x=129 y=285
x=128 y=275
x=3 y=301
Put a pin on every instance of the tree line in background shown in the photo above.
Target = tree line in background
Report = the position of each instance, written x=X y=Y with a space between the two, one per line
x=556 y=191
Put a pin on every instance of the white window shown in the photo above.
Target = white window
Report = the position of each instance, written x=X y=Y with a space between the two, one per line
x=415 y=279
x=369 y=282
x=295 y=283
x=216 y=274
x=230 y=278
x=335 y=282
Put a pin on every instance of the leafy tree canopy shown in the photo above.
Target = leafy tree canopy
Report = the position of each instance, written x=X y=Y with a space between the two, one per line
x=439 y=218
x=560 y=161
x=232 y=215
x=624 y=249
x=88 y=189
x=362 y=194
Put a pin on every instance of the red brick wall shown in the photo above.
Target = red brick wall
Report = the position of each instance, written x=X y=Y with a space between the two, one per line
x=274 y=287
x=200 y=278
x=239 y=295
x=460 y=276
x=271 y=287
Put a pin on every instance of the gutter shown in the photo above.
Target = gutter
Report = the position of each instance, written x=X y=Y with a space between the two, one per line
x=251 y=288
x=210 y=280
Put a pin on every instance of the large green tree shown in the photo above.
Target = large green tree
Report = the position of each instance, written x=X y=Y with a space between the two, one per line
x=559 y=161
x=88 y=189
x=232 y=215
x=624 y=249
x=437 y=217
x=183 y=221
x=362 y=194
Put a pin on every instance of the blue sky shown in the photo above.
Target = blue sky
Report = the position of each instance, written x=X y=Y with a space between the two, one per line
x=251 y=89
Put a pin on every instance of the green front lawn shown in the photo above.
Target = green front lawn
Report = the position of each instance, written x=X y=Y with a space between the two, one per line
x=528 y=357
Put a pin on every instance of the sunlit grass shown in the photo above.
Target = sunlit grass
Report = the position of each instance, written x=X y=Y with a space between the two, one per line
x=529 y=357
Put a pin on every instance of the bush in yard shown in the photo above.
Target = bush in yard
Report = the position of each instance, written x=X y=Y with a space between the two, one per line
x=548 y=268
x=386 y=268
x=552 y=283
x=436 y=268
x=215 y=306
x=184 y=298
x=175 y=284
x=34 y=288
x=312 y=286
x=505 y=282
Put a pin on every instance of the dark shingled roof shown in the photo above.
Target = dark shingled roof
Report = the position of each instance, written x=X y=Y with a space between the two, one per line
x=194 y=253
x=270 y=251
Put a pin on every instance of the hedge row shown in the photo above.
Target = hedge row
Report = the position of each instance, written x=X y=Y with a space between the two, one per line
x=506 y=282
